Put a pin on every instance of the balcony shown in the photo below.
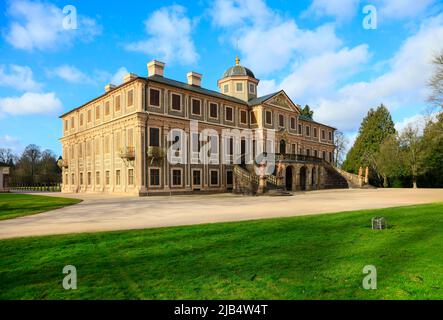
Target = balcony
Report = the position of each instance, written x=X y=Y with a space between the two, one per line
x=156 y=152
x=127 y=153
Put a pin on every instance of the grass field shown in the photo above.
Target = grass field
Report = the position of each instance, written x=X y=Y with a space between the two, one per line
x=13 y=205
x=310 y=257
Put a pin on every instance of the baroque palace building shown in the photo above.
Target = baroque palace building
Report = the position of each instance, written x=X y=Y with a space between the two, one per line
x=117 y=142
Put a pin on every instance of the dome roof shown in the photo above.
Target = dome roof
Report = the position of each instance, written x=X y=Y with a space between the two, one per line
x=238 y=70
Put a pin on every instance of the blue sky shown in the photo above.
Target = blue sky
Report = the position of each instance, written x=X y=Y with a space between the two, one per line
x=317 y=51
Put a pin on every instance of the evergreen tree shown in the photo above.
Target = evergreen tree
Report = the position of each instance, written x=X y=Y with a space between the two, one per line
x=307 y=112
x=374 y=129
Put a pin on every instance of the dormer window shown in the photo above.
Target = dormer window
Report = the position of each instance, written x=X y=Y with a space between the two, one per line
x=252 y=88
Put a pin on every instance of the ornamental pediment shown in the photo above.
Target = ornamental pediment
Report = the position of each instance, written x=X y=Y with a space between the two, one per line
x=283 y=101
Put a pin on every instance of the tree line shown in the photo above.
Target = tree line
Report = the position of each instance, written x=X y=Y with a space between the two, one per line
x=409 y=158
x=32 y=167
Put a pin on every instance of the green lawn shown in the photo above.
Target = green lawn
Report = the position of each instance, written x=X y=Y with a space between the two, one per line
x=311 y=257
x=13 y=205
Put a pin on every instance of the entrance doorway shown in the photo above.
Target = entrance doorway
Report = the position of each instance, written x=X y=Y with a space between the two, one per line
x=288 y=178
x=282 y=147
x=303 y=178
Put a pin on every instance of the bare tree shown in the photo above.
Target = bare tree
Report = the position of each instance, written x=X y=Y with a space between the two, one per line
x=32 y=153
x=412 y=151
x=436 y=82
x=7 y=156
x=341 y=142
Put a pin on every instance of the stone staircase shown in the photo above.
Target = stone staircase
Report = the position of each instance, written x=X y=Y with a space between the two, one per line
x=335 y=180
x=248 y=182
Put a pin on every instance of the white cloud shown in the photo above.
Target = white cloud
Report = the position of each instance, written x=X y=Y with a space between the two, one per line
x=30 y=103
x=117 y=78
x=230 y=13
x=318 y=75
x=39 y=25
x=18 y=77
x=169 y=36
x=403 y=85
x=251 y=22
x=9 y=142
x=341 y=10
x=401 y=9
x=70 y=74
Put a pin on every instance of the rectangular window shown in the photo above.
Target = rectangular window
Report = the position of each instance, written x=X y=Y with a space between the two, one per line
x=117 y=103
x=176 y=177
x=251 y=88
x=226 y=88
x=308 y=131
x=268 y=117
x=89 y=116
x=154 y=177
x=107 y=178
x=131 y=177
x=72 y=179
x=281 y=120
x=196 y=177
x=80 y=150
x=154 y=97
x=117 y=177
x=154 y=137
x=97 y=113
x=107 y=108
x=97 y=146
x=66 y=125
x=81 y=119
x=214 y=177
x=81 y=178
x=130 y=98
x=213 y=110
x=107 y=145
x=230 y=146
x=176 y=103
x=300 y=128
x=72 y=123
x=330 y=136
x=292 y=123
x=89 y=178
x=324 y=155
x=243 y=116
x=239 y=87
x=130 y=137
x=196 y=107
x=316 y=153
x=315 y=132
x=293 y=148
x=323 y=136
x=97 y=177
x=195 y=142
x=308 y=152
x=229 y=116
x=330 y=156
x=66 y=179
x=118 y=141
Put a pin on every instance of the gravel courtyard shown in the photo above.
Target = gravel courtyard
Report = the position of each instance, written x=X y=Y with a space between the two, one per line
x=105 y=213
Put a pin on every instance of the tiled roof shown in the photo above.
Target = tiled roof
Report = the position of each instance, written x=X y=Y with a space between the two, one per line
x=196 y=89
x=259 y=100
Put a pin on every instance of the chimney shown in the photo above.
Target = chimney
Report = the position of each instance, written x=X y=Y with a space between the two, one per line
x=155 y=68
x=109 y=87
x=129 y=77
x=194 y=79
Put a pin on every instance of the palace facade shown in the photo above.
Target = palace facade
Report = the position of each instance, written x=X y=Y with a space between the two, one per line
x=117 y=142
